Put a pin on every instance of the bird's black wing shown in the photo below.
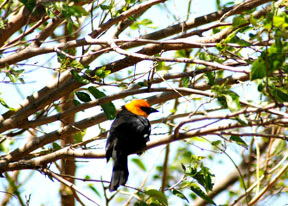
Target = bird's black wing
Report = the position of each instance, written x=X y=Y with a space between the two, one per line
x=129 y=133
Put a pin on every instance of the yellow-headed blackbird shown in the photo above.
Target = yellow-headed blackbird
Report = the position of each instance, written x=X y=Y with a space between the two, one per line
x=128 y=134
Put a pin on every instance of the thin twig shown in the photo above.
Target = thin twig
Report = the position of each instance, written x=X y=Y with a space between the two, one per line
x=68 y=184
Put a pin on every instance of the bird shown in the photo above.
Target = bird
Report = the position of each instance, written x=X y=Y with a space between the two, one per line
x=128 y=134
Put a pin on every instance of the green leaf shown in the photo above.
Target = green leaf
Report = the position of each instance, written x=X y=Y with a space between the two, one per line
x=183 y=166
x=145 y=22
x=78 y=137
x=197 y=190
x=272 y=59
x=70 y=26
x=228 y=4
x=211 y=77
x=109 y=108
x=239 y=41
x=253 y=21
x=279 y=93
x=69 y=11
x=203 y=176
x=226 y=97
x=181 y=53
x=56 y=146
x=261 y=86
x=206 y=178
x=180 y=195
x=139 y=163
x=258 y=69
x=216 y=143
x=239 y=141
x=204 y=56
x=185 y=81
x=61 y=58
x=76 y=64
x=14 y=75
x=142 y=203
x=79 y=11
x=78 y=78
x=90 y=185
x=242 y=120
x=232 y=100
x=278 y=21
x=106 y=7
x=82 y=96
x=76 y=102
x=2 y=24
x=157 y=195
x=96 y=93
x=238 y=21
x=142 y=84
x=6 y=105
x=102 y=72
x=161 y=66
x=29 y=4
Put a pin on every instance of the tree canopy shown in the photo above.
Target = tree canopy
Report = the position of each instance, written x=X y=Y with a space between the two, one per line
x=216 y=71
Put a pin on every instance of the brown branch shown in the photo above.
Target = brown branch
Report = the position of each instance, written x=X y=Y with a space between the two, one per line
x=17 y=21
x=156 y=49
x=180 y=60
x=126 y=23
x=199 y=21
x=73 y=128
x=70 y=152
x=45 y=33
x=11 y=123
x=178 y=28
x=3 y=4
x=38 y=101
x=13 y=43
x=69 y=184
x=54 y=136
x=68 y=166
x=283 y=137
x=141 y=7
x=34 y=49
x=16 y=121
x=68 y=86
x=45 y=96
x=196 y=89
x=227 y=116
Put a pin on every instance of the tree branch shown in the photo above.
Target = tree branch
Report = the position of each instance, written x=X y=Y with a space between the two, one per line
x=38 y=162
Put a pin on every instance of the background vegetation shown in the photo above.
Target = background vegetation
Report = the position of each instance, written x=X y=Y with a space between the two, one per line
x=219 y=80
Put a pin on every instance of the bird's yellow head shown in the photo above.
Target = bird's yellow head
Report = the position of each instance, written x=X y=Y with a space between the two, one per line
x=140 y=107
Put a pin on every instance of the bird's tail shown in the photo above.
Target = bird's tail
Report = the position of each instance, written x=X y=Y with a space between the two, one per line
x=120 y=172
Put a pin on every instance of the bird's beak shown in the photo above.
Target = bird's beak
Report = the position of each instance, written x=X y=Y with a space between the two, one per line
x=148 y=110
x=152 y=110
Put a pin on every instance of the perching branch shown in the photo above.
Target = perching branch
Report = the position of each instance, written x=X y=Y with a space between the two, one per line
x=38 y=162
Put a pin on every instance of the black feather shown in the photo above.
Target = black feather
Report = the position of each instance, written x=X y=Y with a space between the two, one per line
x=128 y=135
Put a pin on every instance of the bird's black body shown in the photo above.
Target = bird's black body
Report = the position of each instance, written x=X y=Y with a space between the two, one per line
x=128 y=134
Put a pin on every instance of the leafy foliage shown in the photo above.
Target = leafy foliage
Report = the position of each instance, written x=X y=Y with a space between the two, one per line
x=108 y=108
x=219 y=80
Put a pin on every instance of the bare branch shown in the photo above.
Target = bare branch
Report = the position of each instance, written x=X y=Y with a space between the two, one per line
x=69 y=184
x=125 y=15
x=5 y=165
